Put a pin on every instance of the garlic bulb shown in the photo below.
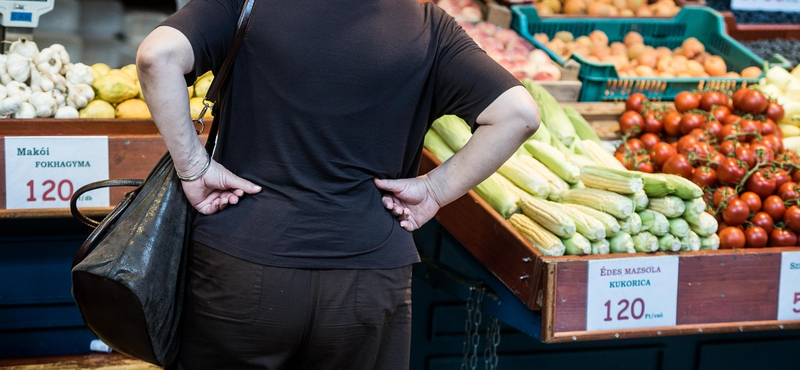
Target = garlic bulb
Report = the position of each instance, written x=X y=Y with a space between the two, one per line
x=65 y=68
x=48 y=61
x=4 y=77
x=24 y=47
x=60 y=82
x=80 y=95
x=61 y=98
x=41 y=81
x=26 y=110
x=44 y=102
x=80 y=74
x=9 y=105
x=18 y=67
x=3 y=92
x=66 y=112
x=19 y=90
x=61 y=53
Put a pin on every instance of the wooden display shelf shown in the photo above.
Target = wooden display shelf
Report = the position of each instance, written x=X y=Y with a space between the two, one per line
x=134 y=147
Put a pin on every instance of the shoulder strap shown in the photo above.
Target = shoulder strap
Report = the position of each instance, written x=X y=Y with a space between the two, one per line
x=214 y=91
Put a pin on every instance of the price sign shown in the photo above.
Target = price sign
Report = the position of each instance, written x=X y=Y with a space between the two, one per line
x=631 y=293
x=767 y=5
x=789 y=291
x=44 y=172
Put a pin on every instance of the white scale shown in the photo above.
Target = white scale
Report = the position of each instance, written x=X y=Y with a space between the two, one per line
x=20 y=17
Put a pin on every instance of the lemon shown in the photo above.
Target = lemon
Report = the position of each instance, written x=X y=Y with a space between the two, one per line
x=130 y=69
x=115 y=86
x=99 y=69
x=202 y=83
x=133 y=108
x=97 y=109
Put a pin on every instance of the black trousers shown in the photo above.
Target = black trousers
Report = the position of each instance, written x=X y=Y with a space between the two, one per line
x=242 y=315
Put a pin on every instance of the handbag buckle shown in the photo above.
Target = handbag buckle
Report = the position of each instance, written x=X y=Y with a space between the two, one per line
x=199 y=119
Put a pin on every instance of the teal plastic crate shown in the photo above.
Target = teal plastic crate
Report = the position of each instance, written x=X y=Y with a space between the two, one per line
x=601 y=81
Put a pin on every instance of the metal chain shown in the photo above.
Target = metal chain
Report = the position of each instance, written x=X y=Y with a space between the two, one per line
x=476 y=336
x=492 y=342
x=467 y=330
x=472 y=335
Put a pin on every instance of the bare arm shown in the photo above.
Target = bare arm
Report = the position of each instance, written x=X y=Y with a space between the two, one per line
x=504 y=125
x=162 y=60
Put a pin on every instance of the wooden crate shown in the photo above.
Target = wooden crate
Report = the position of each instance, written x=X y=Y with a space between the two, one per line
x=753 y=32
x=718 y=291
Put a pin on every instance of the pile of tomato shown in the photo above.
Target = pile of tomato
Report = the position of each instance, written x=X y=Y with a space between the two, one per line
x=730 y=145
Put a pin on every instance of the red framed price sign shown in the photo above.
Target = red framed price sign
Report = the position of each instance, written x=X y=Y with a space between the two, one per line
x=789 y=291
x=44 y=171
x=629 y=293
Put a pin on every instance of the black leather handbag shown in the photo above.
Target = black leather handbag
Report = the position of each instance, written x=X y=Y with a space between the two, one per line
x=128 y=277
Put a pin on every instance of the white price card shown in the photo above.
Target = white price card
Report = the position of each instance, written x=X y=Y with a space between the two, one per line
x=767 y=5
x=789 y=290
x=44 y=171
x=627 y=293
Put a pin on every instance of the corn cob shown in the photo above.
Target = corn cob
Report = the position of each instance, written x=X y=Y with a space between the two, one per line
x=527 y=180
x=656 y=185
x=645 y=242
x=543 y=240
x=621 y=182
x=555 y=161
x=610 y=224
x=600 y=247
x=706 y=225
x=453 y=130
x=669 y=206
x=614 y=204
x=516 y=192
x=640 y=201
x=577 y=185
x=621 y=243
x=497 y=195
x=631 y=225
x=542 y=135
x=586 y=225
x=557 y=185
x=684 y=188
x=669 y=243
x=694 y=206
x=437 y=146
x=549 y=215
x=553 y=116
x=654 y=222
x=599 y=155
x=678 y=227
x=577 y=245
x=709 y=243
x=582 y=128
x=690 y=243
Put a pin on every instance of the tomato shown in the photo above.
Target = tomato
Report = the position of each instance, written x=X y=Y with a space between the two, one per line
x=700 y=134
x=774 y=207
x=715 y=160
x=762 y=153
x=731 y=171
x=635 y=102
x=713 y=129
x=704 y=177
x=691 y=121
x=763 y=220
x=730 y=119
x=731 y=237
x=754 y=102
x=649 y=140
x=774 y=111
x=782 y=238
x=746 y=155
x=720 y=112
x=723 y=194
x=789 y=191
x=756 y=237
x=774 y=142
x=679 y=165
x=635 y=144
x=652 y=122
x=645 y=166
x=769 y=128
x=796 y=176
x=661 y=152
x=780 y=176
x=728 y=148
x=630 y=123
x=731 y=132
x=761 y=183
x=792 y=218
x=713 y=98
x=737 y=97
x=672 y=123
x=752 y=199
x=685 y=101
x=687 y=141
x=736 y=213
x=750 y=127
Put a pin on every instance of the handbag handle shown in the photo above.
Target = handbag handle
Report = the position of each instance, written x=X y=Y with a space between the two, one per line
x=213 y=96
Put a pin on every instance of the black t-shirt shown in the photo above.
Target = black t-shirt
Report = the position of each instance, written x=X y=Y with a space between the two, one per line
x=325 y=96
